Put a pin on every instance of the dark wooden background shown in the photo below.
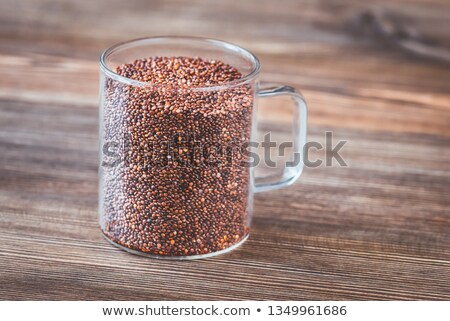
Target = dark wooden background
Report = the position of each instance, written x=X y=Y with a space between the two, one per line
x=377 y=75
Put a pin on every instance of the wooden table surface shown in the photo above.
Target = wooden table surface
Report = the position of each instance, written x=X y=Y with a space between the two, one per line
x=378 y=77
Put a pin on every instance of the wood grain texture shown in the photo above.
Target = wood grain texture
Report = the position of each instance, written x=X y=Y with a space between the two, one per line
x=377 y=229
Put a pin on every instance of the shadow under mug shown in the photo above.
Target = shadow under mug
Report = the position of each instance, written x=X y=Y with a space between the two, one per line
x=176 y=179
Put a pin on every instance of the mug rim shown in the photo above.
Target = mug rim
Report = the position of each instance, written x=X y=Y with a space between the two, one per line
x=146 y=40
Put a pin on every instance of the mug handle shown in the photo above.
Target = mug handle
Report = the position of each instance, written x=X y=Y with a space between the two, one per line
x=290 y=174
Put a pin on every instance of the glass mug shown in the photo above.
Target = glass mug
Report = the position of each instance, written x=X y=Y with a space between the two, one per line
x=167 y=188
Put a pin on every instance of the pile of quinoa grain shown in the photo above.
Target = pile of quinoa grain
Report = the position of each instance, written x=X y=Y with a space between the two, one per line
x=162 y=195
